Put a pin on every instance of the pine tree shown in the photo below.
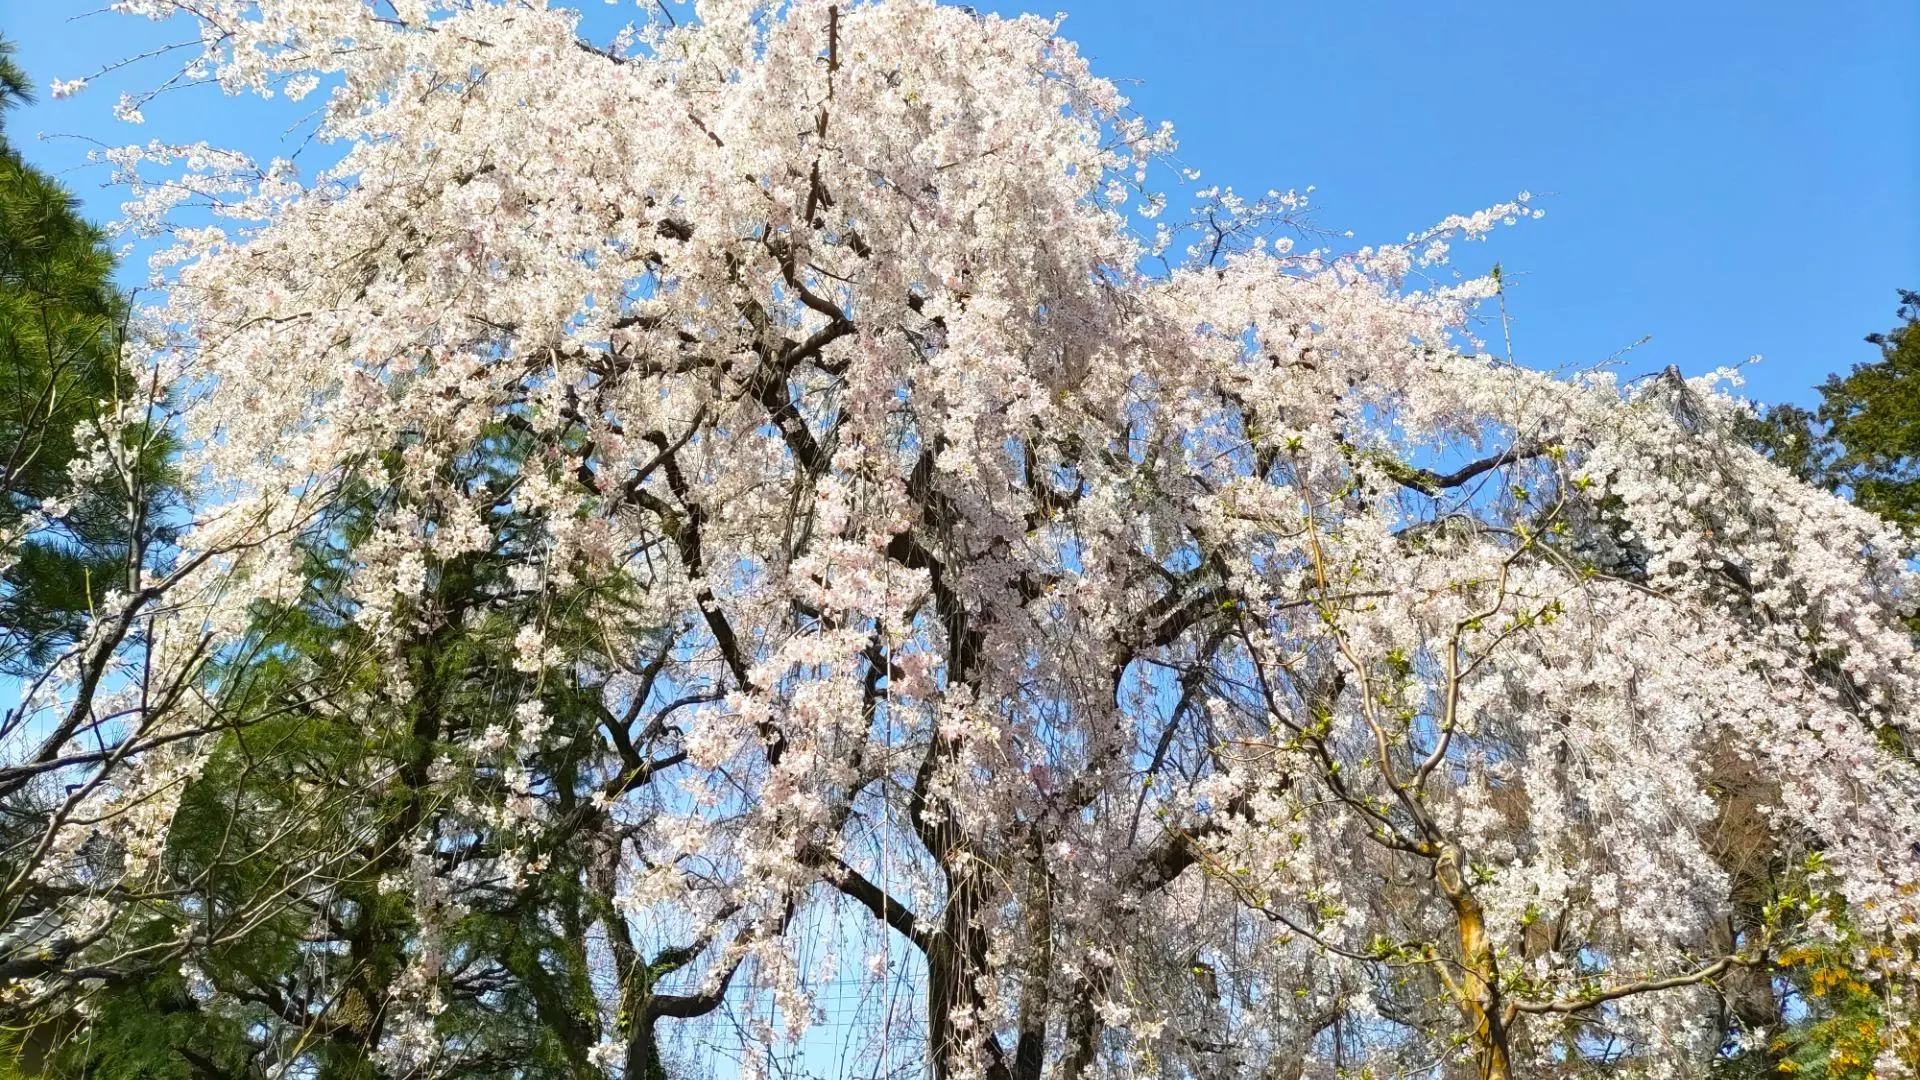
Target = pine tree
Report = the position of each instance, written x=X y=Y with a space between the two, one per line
x=70 y=536
x=1863 y=439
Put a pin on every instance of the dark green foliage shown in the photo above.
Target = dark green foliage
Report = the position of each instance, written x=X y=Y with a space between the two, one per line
x=1864 y=438
x=156 y=1030
x=14 y=88
x=61 y=321
x=324 y=787
x=1873 y=415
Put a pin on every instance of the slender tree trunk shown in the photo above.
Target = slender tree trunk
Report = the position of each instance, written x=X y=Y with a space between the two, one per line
x=1479 y=986
x=957 y=957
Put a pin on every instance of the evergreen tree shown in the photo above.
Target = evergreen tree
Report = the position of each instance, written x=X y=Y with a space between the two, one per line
x=292 y=852
x=75 y=522
x=1863 y=438
x=86 y=508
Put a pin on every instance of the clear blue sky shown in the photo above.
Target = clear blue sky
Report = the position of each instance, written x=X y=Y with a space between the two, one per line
x=1730 y=178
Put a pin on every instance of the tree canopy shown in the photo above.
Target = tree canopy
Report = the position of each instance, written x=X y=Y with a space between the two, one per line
x=1864 y=436
x=63 y=524
x=761 y=515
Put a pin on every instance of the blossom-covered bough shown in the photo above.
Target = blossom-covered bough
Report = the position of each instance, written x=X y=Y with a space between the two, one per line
x=737 y=494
